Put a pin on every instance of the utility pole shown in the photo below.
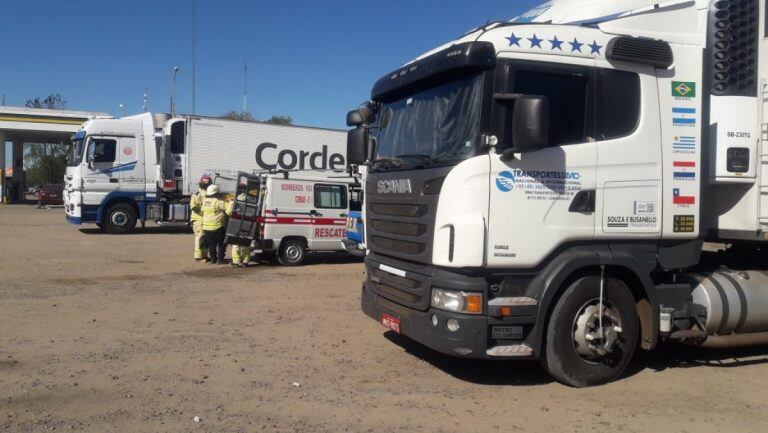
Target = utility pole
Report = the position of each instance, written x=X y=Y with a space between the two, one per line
x=245 y=86
x=173 y=90
x=194 y=52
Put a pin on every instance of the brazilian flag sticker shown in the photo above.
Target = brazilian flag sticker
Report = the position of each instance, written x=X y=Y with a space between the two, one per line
x=683 y=89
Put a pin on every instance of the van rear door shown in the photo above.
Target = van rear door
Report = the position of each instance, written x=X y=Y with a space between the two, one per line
x=329 y=216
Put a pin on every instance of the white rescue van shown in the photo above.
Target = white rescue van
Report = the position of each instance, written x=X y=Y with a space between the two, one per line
x=304 y=212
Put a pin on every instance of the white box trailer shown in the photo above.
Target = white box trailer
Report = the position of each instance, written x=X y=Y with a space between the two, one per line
x=145 y=167
x=226 y=147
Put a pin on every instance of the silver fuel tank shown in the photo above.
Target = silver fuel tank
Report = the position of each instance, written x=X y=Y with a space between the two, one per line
x=736 y=301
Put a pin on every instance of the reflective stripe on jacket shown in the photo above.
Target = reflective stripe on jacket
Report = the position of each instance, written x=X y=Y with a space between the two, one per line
x=215 y=211
x=196 y=206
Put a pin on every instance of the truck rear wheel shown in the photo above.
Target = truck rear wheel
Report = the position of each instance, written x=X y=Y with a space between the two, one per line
x=578 y=352
x=120 y=219
x=292 y=253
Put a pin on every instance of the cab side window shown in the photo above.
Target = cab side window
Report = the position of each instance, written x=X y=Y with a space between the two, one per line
x=585 y=104
x=569 y=91
x=330 y=196
x=618 y=104
x=102 y=150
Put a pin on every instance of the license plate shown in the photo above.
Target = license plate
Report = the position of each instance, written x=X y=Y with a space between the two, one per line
x=507 y=332
x=390 y=322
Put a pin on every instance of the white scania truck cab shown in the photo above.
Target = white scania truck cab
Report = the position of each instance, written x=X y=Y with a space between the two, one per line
x=145 y=167
x=543 y=188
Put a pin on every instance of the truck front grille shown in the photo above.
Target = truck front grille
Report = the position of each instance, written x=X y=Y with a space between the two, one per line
x=402 y=290
x=401 y=224
x=399 y=246
x=399 y=210
x=396 y=228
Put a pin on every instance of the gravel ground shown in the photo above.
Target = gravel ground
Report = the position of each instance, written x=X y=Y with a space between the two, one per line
x=126 y=333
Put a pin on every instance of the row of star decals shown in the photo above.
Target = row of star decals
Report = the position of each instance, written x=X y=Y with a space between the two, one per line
x=557 y=44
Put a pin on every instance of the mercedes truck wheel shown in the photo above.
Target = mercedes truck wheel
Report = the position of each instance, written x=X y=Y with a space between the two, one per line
x=587 y=345
x=120 y=219
x=292 y=253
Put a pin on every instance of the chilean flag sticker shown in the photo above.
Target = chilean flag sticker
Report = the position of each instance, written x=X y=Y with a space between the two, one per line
x=682 y=199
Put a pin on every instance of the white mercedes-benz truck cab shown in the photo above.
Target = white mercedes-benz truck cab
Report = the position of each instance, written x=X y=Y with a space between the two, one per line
x=112 y=172
x=544 y=188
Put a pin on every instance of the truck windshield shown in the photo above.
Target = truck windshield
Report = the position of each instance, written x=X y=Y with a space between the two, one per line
x=435 y=126
x=76 y=152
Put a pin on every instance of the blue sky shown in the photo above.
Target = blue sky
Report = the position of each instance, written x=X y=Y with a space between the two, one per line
x=308 y=59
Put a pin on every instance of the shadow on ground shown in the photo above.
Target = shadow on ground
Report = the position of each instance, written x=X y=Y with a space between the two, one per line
x=477 y=371
x=678 y=356
x=153 y=230
x=526 y=373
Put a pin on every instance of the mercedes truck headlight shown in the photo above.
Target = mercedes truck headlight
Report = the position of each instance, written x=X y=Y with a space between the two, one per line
x=457 y=302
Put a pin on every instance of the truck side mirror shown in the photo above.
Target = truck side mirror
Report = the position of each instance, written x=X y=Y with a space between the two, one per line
x=357 y=146
x=362 y=116
x=530 y=123
x=90 y=158
x=354 y=118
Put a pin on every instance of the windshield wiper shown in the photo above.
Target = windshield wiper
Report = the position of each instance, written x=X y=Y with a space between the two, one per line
x=426 y=159
x=386 y=161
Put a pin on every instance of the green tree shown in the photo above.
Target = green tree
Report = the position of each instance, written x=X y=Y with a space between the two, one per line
x=280 y=120
x=54 y=101
x=46 y=163
x=238 y=115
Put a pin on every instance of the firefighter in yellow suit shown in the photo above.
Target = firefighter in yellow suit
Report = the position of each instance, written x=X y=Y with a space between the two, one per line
x=241 y=254
x=215 y=213
x=196 y=204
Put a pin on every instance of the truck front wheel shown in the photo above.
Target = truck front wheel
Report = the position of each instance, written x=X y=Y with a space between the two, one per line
x=292 y=253
x=120 y=219
x=582 y=347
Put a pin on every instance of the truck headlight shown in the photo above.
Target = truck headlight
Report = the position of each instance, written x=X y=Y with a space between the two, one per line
x=458 y=302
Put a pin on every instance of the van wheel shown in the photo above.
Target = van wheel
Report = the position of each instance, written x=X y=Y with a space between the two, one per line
x=577 y=353
x=120 y=219
x=292 y=253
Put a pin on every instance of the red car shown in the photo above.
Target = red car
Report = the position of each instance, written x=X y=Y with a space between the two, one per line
x=51 y=194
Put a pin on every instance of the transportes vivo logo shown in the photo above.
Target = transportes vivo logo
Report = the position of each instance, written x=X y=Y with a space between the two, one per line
x=505 y=182
x=555 y=182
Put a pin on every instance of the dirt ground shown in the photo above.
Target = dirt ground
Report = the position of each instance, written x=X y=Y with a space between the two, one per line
x=127 y=333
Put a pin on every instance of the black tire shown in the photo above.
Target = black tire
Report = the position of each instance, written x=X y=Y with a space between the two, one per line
x=561 y=357
x=120 y=219
x=269 y=257
x=292 y=252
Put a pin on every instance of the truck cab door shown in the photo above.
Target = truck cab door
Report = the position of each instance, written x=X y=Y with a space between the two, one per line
x=629 y=173
x=545 y=198
x=129 y=169
x=99 y=174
